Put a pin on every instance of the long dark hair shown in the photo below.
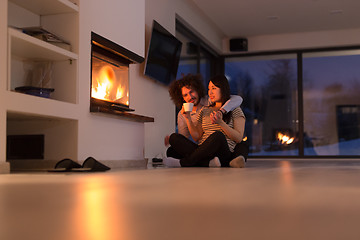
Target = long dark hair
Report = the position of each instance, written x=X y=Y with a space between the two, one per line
x=221 y=82
x=191 y=81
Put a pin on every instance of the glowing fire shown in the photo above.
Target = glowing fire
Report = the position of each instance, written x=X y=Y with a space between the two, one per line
x=284 y=139
x=103 y=85
x=119 y=93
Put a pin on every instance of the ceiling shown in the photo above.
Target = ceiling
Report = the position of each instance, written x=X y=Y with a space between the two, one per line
x=245 y=18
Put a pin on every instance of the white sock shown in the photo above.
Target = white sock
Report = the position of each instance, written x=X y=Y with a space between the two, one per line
x=171 y=162
x=215 y=162
x=238 y=162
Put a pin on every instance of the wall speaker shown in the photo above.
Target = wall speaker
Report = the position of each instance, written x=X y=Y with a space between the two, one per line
x=238 y=44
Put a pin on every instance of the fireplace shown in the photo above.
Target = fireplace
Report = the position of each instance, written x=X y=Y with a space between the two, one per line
x=110 y=82
x=283 y=139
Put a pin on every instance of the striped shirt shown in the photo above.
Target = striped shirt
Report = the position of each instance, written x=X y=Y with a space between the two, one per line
x=209 y=128
x=183 y=129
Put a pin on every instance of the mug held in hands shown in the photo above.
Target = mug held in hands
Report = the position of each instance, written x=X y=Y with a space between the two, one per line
x=188 y=107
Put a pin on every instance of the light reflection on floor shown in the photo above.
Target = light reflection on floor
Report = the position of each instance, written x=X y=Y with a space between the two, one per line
x=97 y=212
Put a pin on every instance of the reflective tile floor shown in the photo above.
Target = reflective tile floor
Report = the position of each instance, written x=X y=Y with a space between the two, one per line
x=266 y=200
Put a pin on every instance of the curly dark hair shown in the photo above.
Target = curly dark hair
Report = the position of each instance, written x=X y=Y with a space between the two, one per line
x=192 y=81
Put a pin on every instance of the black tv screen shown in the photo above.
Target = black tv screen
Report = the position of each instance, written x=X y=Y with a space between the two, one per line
x=163 y=55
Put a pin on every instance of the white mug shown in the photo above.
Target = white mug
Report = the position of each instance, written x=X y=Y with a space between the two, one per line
x=188 y=107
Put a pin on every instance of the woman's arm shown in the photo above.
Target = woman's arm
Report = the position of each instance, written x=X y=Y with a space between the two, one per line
x=236 y=133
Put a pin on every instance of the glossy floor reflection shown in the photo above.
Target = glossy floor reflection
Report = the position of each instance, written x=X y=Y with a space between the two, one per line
x=266 y=200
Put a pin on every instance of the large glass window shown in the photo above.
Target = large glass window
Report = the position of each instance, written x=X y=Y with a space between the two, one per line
x=302 y=104
x=332 y=103
x=196 y=56
x=188 y=57
x=269 y=89
x=205 y=65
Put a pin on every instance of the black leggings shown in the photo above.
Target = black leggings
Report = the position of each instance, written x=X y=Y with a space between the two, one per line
x=193 y=155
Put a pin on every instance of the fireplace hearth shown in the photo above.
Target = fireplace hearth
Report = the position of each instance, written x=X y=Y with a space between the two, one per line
x=110 y=82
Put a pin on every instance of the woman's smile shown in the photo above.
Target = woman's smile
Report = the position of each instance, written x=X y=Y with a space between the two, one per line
x=214 y=92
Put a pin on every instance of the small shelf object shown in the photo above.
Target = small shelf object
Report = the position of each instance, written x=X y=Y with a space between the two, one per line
x=36 y=91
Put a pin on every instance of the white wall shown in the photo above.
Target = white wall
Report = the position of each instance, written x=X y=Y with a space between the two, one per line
x=156 y=95
x=200 y=24
x=106 y=137
x=300 y=40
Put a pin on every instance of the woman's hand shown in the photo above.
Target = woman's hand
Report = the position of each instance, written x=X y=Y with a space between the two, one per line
x=216 y=117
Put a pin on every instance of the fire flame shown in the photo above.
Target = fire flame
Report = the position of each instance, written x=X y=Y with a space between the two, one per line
x=104 y=85
x=119 y=93
x=284 y=139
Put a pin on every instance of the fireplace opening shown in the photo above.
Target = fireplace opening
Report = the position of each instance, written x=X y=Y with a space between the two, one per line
x=110 y=82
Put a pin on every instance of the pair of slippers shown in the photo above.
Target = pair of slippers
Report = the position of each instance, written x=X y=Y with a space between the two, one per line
x=89 y=165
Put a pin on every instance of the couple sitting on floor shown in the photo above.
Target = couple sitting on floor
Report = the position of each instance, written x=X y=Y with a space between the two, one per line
x=211 y=134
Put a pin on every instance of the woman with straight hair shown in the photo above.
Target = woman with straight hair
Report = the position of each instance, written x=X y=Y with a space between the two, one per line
x=216 y=133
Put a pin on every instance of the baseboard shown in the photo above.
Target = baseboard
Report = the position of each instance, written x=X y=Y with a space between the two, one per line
x=4 y=168
x=124 y=164
x=44 y=165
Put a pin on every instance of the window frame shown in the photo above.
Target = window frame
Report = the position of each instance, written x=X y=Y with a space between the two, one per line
x=216 y=59
x=300 y=107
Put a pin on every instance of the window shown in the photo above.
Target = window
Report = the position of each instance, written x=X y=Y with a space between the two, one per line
x=332 y=103
x=301 y=103
x=268 y=87
x=188 y=57
x=196 y=56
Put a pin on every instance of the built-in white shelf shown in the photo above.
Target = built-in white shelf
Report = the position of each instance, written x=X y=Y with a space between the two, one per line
x=55 y=117
x=26 y=46
x=33 y=105
x=46 y=7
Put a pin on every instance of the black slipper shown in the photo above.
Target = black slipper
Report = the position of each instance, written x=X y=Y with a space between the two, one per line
x=65 y=165
x=91 y=165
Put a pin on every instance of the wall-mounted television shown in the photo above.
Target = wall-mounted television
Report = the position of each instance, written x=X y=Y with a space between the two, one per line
x=163 y=55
